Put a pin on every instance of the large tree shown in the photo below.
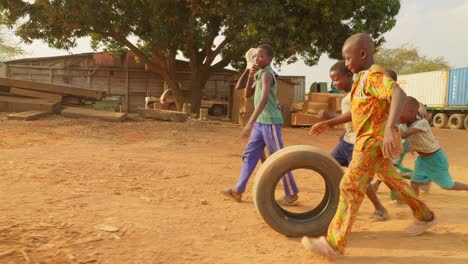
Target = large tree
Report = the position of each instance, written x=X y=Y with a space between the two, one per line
x=407 y=59
x=211 y=34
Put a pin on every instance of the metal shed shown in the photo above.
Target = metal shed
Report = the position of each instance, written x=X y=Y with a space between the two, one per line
x=120 y=76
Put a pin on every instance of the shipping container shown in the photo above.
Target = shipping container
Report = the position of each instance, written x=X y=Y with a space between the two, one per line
x=299 y=86
x=445 y=93
x=430 y=88
x=458 y=87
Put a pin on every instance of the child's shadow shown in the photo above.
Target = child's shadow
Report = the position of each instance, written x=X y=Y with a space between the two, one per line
x=443 y=245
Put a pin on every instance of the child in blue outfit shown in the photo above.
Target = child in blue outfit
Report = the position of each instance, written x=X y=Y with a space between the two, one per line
x=432 y=163
x=263 y=127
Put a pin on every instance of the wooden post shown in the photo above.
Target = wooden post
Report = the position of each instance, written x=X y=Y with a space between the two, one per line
x=186 y=108
x=127 y=107
x=8 y=70
x=108 y=81
x=203 y=113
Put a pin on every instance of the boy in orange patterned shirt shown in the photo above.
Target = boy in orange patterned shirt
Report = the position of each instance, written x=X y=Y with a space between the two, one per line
x=376 y=103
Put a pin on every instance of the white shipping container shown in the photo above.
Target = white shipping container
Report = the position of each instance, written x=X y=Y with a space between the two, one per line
x=430 y=88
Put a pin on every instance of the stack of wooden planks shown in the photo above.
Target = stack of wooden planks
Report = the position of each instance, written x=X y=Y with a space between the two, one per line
x=163 y=115
x=307 y=113
x=78 y=112
x=29 y=100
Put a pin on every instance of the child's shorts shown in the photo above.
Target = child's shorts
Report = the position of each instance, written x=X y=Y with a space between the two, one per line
x=433 y=168
x=343 y=153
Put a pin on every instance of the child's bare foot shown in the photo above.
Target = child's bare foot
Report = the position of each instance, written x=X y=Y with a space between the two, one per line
x=233 y=195
x=288 y=200
x=425 y=187
x=379 y=215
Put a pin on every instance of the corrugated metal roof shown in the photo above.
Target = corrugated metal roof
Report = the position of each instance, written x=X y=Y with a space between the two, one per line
x=51 y=57
x=102 y=58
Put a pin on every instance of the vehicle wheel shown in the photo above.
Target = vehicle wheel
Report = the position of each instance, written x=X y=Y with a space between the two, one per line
x=217 y=110
x=456 y=121
x=466 y=122
x=440 y=120
x=313 y=222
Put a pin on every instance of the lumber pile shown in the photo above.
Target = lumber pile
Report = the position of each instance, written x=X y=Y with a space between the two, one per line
x=307 y=113
x=28 y=115
x=163 y=115
x=21 y=104
x=52 y=88
x=78 y=112
x=35 y=94
x=30 y=100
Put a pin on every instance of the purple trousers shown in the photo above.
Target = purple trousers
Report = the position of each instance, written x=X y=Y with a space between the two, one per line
x=263 y=135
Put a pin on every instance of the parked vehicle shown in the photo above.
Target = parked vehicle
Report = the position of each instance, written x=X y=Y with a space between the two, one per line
x=445 y=94
x=215 y=107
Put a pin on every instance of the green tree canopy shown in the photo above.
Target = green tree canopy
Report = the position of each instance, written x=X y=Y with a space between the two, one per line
x=210 y=33
x=407 y=59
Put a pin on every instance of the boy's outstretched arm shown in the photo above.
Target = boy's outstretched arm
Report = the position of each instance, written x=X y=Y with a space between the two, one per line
x=410 y=131
x=325 y=125
x=267 y=81
x=391 y=147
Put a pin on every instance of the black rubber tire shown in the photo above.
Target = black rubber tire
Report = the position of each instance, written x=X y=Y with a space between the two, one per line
x=456 y=121
x=314 y=222
x=217 y=110
x=466 y=122
x=440 y=120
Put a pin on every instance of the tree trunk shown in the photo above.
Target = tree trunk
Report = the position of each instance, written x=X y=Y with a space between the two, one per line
x=198 y=84
x=176 y=92
x=169 y=76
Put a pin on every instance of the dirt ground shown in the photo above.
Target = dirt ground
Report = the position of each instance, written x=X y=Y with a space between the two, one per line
x=157 y=185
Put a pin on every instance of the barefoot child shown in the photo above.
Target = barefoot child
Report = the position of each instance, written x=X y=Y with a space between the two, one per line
x=376 y=103
x=263 y=127
x=432 y=164
x=343 y=80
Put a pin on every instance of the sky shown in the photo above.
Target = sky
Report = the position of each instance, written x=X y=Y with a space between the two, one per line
x=435 y=27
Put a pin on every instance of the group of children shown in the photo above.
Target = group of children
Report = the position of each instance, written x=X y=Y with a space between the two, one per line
x=372 y=109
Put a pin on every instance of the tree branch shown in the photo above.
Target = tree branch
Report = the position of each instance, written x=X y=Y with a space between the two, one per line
x=213 y=32
x=220 y=65
x=151 y=65
x=213 y=53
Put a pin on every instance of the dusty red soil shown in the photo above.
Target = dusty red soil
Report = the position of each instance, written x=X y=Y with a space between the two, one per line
x=159 y=185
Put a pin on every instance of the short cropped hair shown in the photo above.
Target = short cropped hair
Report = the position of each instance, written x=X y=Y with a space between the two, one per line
x=269 y=49
x=392 y=74
x=413 y=102
x=340 y=67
